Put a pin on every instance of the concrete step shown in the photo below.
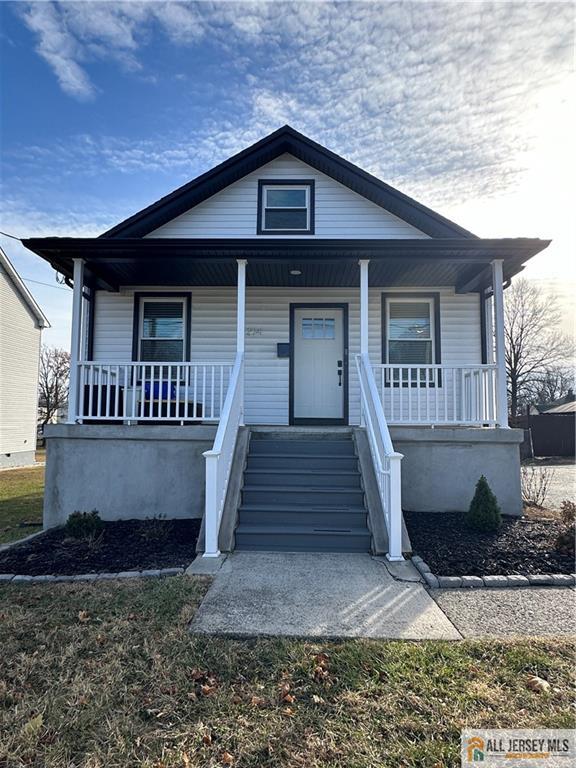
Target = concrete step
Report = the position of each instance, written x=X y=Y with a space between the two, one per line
x=302 y=515
x=273 y=447
x=302 y=539
x=313 y=495
x=304 y=461
x=327 y=478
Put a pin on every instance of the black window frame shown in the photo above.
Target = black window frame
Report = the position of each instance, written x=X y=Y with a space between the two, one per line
x=187 y=300
x=262 y=183
x=434 y=296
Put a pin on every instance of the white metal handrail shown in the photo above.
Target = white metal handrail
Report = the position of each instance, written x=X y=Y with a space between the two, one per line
x=219 y=458
x=151 y=391
x=387 y=463
x=438 y=394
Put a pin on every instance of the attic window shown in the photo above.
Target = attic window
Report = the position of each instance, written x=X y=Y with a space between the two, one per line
x=285 y=207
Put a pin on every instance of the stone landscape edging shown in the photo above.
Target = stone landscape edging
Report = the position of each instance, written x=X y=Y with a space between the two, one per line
x=476 y=582
x=148 y=573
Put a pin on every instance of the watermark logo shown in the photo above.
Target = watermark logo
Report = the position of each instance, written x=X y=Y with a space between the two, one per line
x=537 y=748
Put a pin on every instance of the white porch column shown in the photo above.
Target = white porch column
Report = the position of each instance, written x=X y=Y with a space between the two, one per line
x=501 y=388
x=76 y=340
x=241 y=323
x=364 y=306
x=489 y=314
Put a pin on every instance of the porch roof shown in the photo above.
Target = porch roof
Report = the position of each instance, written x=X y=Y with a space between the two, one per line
x=461 y=262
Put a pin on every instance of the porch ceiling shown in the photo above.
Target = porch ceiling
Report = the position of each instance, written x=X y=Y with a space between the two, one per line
x=112 y=263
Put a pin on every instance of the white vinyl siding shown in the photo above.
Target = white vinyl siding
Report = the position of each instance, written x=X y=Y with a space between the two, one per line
x=339 y=212
x=213 y=335
x=19 y=358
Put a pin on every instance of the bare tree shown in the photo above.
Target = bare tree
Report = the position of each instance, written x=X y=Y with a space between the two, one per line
x=534 y=343
x=52 y=381
x=553 y=384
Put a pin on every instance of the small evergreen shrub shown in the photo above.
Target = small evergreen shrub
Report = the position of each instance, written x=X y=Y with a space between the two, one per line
x=566 y=539
x=84 y=525
x=484 y=513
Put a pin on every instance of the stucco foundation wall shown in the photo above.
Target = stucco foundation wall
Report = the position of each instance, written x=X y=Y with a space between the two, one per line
x=441 y=467
x=125 y=472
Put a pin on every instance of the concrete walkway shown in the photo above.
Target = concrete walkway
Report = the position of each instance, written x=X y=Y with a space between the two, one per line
x=319 y=595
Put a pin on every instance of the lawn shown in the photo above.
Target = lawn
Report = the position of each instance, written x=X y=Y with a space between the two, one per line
x=21 y=499
x=107 y=676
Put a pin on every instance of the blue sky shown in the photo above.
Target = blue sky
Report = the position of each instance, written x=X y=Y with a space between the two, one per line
x=107 y=106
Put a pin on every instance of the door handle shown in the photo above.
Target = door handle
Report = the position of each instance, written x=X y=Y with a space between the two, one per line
x=339 y=373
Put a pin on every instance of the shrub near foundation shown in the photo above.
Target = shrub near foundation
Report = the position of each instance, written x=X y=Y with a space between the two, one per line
x=484 y=514
x=84 y=525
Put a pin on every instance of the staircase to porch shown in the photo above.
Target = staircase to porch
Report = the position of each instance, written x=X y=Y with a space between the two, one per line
x=302 y=491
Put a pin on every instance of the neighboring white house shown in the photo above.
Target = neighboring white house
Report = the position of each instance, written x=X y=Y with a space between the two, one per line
x=301 y=324
x=21 y=324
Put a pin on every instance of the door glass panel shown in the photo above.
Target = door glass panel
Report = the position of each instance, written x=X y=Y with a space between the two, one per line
x=329 y=328
x=318 y=328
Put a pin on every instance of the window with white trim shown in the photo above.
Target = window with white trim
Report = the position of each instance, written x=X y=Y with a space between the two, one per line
x=162 y=329
x=286 y=208
x=410 y=332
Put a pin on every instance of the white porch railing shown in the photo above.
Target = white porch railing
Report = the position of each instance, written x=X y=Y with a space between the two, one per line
x=438 y=394
x=219 y=459
x=149 y=391
x=386 y=461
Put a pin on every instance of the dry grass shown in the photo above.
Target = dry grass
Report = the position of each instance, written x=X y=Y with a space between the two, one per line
x=107 y=676
x=21 y=500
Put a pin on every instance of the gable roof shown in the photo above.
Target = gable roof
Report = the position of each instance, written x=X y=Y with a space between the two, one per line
x=21 y=289
x=286 y=140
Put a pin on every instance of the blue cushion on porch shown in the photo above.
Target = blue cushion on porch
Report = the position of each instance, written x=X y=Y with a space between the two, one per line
x=156 y=390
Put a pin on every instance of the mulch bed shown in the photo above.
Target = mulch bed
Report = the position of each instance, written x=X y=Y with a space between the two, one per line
x=125 y=545
x=521 y=546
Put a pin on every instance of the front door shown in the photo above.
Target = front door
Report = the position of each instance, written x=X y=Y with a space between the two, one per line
x=319 y=365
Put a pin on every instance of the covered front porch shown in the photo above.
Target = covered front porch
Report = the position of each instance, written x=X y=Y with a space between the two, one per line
x=240 y=362
x=459 y=382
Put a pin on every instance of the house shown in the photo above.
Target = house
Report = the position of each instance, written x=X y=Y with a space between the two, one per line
x=21 y=324
x=289 y=348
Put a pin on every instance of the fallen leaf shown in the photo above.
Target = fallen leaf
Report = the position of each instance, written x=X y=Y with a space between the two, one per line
x=32 y=727
x=537 y=684
x=284 y=689
x=257 y=701
x=207 y=690
x=227 y=758
x=198 y=674
x=288 y=698
x=288 y=711
x=185 y=760
x=207 y=739
x=83 y=616
x=320 y=673
x=192 y=696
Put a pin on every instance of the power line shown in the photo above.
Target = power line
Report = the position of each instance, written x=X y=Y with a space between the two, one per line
x=48 y=285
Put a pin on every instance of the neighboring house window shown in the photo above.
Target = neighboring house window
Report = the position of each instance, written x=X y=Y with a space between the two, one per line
x=411 y=332
x=285 y=207
x=162 y=330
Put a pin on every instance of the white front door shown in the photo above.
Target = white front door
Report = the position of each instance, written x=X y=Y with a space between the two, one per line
x=319 y=379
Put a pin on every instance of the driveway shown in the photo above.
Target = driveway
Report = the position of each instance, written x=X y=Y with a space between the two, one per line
x=535 y=611
x=319 y=595
x=562 y=485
